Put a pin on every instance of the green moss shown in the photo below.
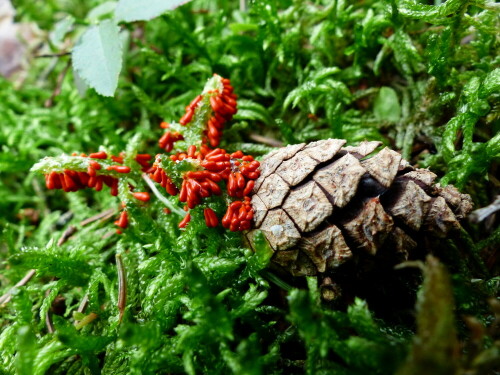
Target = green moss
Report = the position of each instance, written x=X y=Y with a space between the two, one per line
x=422 y=78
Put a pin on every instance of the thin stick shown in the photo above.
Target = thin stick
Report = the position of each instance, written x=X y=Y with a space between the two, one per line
x=7 y=296
x=48 y=315
x=48 y=55
x=122 y=286
x=108 y=234
x=164 y=200
x=481 y=214
x=41 y=194
x=48 y=322
x=50 y=102
x=266 y=140
x=83 y=304
x=66 y=235
x=103 y=215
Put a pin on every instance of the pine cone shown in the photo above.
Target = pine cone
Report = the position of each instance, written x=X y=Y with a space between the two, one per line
x=321 y=204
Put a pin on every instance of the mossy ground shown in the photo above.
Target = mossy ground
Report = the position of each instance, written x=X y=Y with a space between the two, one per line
x=421 y=77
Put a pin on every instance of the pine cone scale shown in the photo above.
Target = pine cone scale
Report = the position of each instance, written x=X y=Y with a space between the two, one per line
x=410 y=205
x=340 y=179
x=307 y=206
x=370 y=227
x=293 y=171
x=363 y=149
x=323 y=151
x=273 y=191
x=273 y=160
x=383 y=167
x=326 y=248
x=280 y=230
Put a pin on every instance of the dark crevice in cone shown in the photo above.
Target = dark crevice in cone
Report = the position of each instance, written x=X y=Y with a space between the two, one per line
x=369 y=187
x=390 y=293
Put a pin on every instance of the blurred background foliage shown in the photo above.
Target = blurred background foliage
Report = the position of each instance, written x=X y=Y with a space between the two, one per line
x=422 y=77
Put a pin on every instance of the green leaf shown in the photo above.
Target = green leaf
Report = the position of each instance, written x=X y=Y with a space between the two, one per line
x=386 y=106
x=97 y=58
x=133 y=10
x=361 y=319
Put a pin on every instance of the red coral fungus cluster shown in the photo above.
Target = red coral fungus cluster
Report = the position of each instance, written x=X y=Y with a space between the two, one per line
x=95 y=178
x=224 y=107
x=211 y=167
x=239 y=215
x=206 y=170
x=168 y=139
x=222 y=102
x=236 y=172
x=74 y=180
x=122 y=222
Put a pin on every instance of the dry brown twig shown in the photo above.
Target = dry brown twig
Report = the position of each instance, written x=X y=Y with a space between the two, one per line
x=122 y=286
x=8 y=296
